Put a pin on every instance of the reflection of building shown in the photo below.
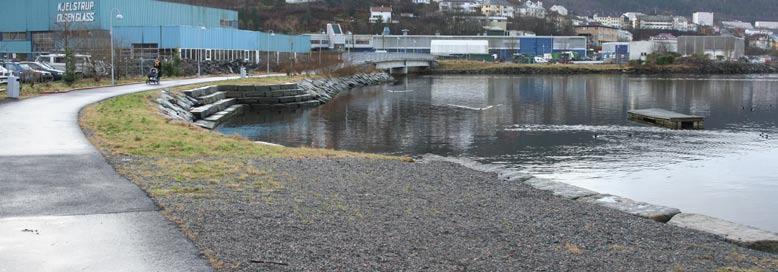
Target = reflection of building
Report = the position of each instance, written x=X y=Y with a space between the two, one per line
x=715 y=47
x=146 y=26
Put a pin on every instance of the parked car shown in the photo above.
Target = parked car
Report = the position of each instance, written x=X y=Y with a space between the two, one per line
x=84 y=66
x=57 y=74
x=26 y=73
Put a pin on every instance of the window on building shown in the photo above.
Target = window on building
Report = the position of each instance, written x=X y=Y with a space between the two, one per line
x=14 y=36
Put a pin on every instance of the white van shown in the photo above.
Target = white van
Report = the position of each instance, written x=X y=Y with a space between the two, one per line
x=4 y=73
x=83 y=63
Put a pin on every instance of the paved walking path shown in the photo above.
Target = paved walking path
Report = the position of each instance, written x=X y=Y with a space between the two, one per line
x=64 y=208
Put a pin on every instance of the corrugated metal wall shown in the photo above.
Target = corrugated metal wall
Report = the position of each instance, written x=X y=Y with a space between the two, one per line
x=192 y=37
x=536 y=46
x=40 y=15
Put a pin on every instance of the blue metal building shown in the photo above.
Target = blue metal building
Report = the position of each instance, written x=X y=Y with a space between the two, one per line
x=29 y=27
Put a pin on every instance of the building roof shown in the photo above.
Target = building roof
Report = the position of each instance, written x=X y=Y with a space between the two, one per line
x=656 y=18
x=381 y=9
x=497 y=2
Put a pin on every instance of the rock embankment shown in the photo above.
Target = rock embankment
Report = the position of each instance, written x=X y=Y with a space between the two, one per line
x=328 y=88
x=212 y=105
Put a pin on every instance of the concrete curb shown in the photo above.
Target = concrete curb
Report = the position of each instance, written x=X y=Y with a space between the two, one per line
x=742 y=235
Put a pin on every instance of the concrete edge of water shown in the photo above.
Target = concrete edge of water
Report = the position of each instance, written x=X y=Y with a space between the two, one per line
x=739 y=234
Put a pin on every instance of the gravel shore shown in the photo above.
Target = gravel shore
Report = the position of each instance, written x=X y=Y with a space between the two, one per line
x=368 y=215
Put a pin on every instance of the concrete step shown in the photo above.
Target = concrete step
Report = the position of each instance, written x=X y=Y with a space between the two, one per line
x=293 y=105
x=217 y=118
x=211 y=98
x=200 y=92
x=203 y=112
x=278 y=100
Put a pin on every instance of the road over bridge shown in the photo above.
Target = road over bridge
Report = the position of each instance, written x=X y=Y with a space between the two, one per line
x=393 y=62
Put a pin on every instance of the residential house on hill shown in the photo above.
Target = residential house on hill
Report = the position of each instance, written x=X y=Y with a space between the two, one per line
x=497 y=8
x=459 y=6
x=532 y=9
x=380 y=14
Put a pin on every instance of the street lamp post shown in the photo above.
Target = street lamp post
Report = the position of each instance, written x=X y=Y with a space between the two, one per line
x=119 y=16
x=202 y=49
x=268 y=50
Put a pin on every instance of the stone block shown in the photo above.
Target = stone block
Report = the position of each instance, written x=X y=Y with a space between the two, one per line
x=654 y=212
x=559 y=188
x=735 y=233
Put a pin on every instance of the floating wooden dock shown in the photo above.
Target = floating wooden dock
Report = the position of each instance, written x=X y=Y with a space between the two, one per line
x=668 y=119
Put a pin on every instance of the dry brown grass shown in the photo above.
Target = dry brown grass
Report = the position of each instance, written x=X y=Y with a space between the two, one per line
x=194 y=159
x=573 y=248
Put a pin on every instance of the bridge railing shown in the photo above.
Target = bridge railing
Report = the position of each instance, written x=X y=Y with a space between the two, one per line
x=360 y=58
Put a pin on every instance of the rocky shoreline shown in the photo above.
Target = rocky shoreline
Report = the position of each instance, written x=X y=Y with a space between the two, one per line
x=743 y=235
x=378 y=215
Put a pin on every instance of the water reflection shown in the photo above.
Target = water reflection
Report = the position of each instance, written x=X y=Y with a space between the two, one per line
x=545 y=125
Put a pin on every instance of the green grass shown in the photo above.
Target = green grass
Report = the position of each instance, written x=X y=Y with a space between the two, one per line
x=194 y=159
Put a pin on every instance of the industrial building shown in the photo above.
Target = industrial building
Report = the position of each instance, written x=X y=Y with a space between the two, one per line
x=30 y=28
x=715 y=47
x=502 y=46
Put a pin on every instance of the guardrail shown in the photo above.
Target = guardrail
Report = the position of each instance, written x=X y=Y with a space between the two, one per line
x=360 y=58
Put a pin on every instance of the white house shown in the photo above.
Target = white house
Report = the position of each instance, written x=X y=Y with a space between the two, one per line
x=737 y=25
x=561 y=10
x=421 y=1
x=660 y=22
x=681 y=23
x=608 y=21
x=380 y=14
x=532 y=9
x=497 y=8
x=703 y=18
x=460 y=6
x=631 y=18
x=766 y=25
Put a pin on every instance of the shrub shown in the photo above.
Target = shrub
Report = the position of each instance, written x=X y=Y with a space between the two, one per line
x=70 y=77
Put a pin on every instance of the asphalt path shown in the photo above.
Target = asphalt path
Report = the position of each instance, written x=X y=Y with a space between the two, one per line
x=64 y=208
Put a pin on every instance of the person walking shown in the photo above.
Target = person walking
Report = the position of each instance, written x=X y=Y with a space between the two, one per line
x=158 y=66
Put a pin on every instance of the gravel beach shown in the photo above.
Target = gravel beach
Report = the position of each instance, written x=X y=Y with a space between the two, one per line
x=381 y=215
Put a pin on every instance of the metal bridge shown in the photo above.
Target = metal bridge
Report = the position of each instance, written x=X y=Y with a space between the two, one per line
x=392 y=62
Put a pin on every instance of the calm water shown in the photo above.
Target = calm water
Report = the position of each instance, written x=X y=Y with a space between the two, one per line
x=545 y=125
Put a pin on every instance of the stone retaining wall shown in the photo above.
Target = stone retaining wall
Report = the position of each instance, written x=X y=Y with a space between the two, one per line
x=209 y=106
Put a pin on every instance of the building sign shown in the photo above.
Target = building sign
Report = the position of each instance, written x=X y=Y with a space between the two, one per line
x=76 y=12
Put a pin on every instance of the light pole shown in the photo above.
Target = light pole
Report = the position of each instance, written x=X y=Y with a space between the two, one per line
x=268 y=50
x=119 y=16
x=350 y=41
x=202 y=49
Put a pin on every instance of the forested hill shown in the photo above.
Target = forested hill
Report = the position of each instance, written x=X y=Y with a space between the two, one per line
x=746 y=10
x=276 y=14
